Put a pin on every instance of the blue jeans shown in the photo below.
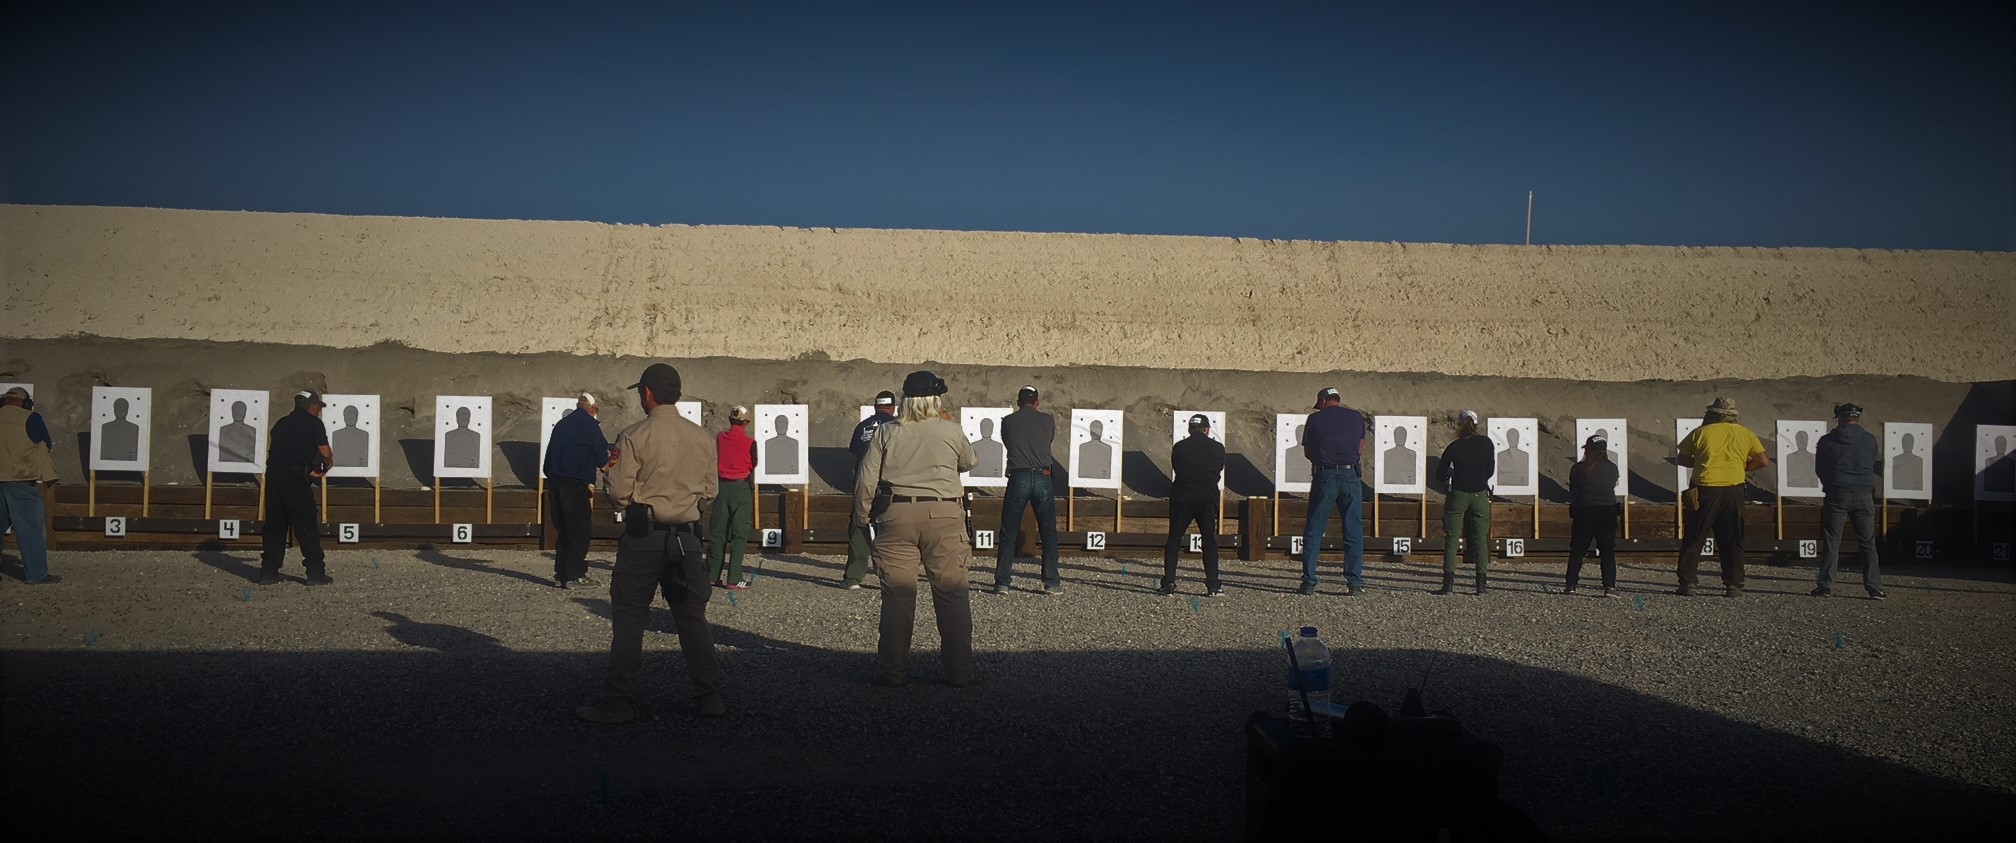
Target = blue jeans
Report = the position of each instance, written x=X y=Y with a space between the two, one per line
x=21 y=508
x=1030 y=488
x=1338 y=487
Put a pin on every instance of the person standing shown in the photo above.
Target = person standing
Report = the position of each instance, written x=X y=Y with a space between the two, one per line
x=857 y=535
x=27 y=462
x=575 y=451
x=908 y=486
x=734 y=507
x=1592 y=509
x=664 y=474
x=1467 y=465
x=1027 y=433
x=297 y=456
x=1331 y=439
x=1846 y=460
x=1198 y=461
x=1722 y=453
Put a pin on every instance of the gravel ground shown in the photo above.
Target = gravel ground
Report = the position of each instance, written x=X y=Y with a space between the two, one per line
x=428 y=695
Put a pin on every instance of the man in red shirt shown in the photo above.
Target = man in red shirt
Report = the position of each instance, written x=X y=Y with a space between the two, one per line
x=728 y=531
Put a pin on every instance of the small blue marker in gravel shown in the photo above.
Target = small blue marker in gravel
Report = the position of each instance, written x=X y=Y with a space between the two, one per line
x=248 y=596
x=1639 y=599
x=1193 y=605
x=91 y=638
x=1837 y=639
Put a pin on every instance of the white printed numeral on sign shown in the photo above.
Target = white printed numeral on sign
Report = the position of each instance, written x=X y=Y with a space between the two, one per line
x=1295 y=546
x=115 y=528
x=1095 y=541
x=1707 y=547
x=227 y=529
x=1196 y=543
x=1403 y=546
x=773 y=538
x=346 y=534
x=983 y=539
x=1924 y=550
x=464 y=533
x=1809 y=549
x=2000 y=552
x=1515 y=548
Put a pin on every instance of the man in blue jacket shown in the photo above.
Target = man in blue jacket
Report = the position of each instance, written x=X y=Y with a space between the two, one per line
x=1846 y=461
x=858 y=552
x=574 y=453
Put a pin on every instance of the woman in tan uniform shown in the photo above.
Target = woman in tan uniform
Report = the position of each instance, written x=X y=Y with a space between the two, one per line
x=908 y=489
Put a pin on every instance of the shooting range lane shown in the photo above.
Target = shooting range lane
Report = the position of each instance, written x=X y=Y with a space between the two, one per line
x=1108 y=706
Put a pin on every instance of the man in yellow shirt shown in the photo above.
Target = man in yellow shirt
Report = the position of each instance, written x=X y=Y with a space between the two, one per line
x=1722 y=453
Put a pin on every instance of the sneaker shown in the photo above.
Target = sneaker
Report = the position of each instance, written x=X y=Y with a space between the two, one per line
x=1732 y=591
x=997 y=588
x=1306 y=589
x=740 y=586
x=1166 y=591
x=1216 y=592
x=1820 y=592
x=711 y=705
x=585 y=581
x=852 y=586
x=1353 y=590
x=1608 y=592
x=321 y=579
x=267 y=578
x=720 y=583
x=1054 y=590
x=52 y=579
x=1683 y=591
x=1568 y=592
x=598 y=714
x=1876 y=595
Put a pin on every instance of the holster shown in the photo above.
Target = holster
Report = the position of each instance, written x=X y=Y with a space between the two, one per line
x=637 y=520
x=880 y=505
x=1692 y=497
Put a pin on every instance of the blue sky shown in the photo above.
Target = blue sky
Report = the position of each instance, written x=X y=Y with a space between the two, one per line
x=1691 y=124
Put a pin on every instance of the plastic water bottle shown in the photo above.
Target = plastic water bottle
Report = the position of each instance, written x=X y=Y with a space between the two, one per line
x=1309 y=674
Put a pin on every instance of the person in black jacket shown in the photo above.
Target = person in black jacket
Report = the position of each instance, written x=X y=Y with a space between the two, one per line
x=575 y=451
x=1846 y=460
x=1592 y=490
x=1467 y=466
x=1198 y=461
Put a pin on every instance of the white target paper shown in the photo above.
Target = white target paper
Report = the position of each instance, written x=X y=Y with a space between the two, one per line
x=983 y=429
x=783 y=444
x=1683 y=476
x=462 y=436
x=352 y=421
x=551 y=411
x=1291 y=462
x=1181 y=430
x=1400 y=455
x=1615 y=432
x=1798 y=472
x=1907 y=460
x=238 y=430
x=1096 y=438
x=121 y=422
x=690 y=410
x=1518 y=444
x=1994 y=462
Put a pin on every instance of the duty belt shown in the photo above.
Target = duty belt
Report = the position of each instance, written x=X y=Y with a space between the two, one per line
x=688 y=527
x=909 y=499
x=1351 y=465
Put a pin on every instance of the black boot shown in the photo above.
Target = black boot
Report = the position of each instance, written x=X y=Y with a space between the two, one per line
x=1448 y=583
x=1480 y=582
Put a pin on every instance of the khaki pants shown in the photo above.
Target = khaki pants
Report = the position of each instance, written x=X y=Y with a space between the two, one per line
x=932 y=535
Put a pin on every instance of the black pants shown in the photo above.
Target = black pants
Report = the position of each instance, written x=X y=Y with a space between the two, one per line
x=290 y=504
x=568 y=503
x=672 y=563
x=1594 y=524
x=1721 y=511
x=1182 y=514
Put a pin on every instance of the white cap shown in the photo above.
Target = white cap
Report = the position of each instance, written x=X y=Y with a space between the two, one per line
x=587 y=400
x=1467 y=415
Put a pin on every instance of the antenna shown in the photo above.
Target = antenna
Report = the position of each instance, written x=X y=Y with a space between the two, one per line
x=1412 y=706
x=1529 y=218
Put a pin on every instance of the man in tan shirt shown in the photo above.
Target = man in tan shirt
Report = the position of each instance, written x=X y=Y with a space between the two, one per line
x=663 y=476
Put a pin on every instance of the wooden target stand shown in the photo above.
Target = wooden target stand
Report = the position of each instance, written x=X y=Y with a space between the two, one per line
x=210 y=483
x=146 y=494
x=489 y=496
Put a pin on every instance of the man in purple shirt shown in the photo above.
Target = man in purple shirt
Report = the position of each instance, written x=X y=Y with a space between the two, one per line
x=1331 y=439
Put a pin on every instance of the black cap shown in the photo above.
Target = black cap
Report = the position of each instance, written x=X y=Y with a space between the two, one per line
x=1200 y=420
x=1027 y=395
x=662 y=379
x=1328 y=393
x=885 y=398
x=1848 y=411
x=308 y=398
x=922 y=384
x=1596 y=443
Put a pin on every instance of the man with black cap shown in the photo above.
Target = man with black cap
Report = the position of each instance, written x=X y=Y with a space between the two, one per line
x=664 y=475
x=1331 y=439
x=1722 y=454
x=857 y=535
x=297 y=455
x=908 y=485
x=1027 y=433
x=1198 y=461
x=1846 y=460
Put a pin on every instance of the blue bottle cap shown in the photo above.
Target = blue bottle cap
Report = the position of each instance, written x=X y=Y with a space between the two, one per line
x=1308 y=632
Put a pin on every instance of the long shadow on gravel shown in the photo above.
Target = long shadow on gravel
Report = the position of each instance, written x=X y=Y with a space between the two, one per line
x=433 y=556
x=479 y=743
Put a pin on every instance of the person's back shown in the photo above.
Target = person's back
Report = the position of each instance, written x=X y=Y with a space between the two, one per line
x=1197 y=462
x=1027 y=434
x=735 y=452
x=1332 y=435
x=1593 y=483
x=1846 y=458
x=1720 y=450
x=657 y=467
x=924 y=458
x=575 y=450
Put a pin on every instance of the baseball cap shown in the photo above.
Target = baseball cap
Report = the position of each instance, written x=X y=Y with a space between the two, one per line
x=738 y=413
x=308 y=398
x=1200 y=420
x=1328 y=393
x=1850 y=410
x=663 y=381
x=885 y=398
x=1467 y=415
x=923 y=384
x=1596 y=442
x=586 y=400
x=1028 y=393
x=16 y=392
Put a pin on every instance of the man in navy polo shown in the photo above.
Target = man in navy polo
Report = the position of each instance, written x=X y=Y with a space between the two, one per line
x=1331 y=439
